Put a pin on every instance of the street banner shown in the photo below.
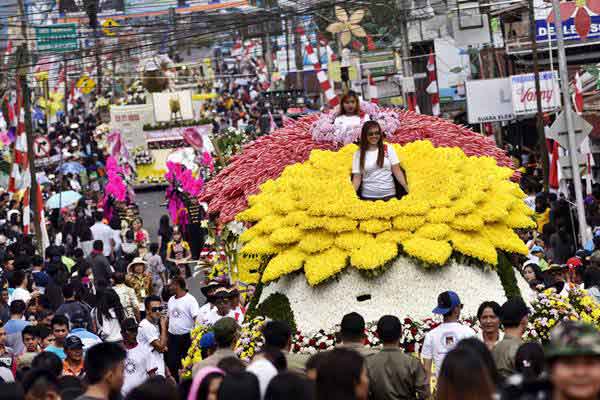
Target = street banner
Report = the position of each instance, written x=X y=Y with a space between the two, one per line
x=523 y=92
x=57 y=38
x=489 y=100
x=129 y=120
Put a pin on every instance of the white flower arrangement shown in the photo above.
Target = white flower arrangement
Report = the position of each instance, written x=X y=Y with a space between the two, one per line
x=405 y=289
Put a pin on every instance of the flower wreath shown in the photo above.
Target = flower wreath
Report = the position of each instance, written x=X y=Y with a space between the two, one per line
x=324 y=129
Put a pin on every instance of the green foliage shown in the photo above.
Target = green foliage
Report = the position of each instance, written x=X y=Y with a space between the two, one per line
x=506 y=272
x=277 y=306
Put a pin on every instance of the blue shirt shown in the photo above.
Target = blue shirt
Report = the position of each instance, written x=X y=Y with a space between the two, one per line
x=14 y=339
x=59 y=352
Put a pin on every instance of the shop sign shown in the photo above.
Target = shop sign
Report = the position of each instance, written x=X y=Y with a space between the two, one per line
x=489 y=100
x=523 y=92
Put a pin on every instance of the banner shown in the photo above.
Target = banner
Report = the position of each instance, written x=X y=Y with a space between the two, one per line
x=489 y=100
x=144 y=6
x=523 y=92
x=453 y=67
x=130 y=120
x=173 y=106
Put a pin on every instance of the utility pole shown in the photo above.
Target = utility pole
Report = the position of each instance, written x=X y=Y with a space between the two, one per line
x=22 y=69
x=539 y=116
x=287 y=50
x=405 y=49
x=173 y=35
x=568 y=111
x=298 y=53
x=66 y=96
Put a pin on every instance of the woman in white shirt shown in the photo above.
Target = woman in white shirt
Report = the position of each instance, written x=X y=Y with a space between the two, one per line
x=108 y=315
x=375 y=165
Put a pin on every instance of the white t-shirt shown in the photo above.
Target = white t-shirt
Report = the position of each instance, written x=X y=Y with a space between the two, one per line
x=213 y=316
x=137 y=365
x=183 y=312
x=204 y=311
x=148 y=333
x=103 y=232
x=441 y=340
x=21 y=294
x=376 y=182
x=110 y=330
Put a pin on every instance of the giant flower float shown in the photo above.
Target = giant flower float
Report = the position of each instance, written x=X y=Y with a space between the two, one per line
x=313 y=240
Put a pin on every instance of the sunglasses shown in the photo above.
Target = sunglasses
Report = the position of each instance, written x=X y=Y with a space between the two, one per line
x=373 y=133
x=156 y=309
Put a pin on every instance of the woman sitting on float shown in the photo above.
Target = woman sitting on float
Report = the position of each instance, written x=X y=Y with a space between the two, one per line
x=375 y=166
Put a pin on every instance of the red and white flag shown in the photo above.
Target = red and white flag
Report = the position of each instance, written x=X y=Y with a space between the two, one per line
x=373 y=92
x=432 y=88
x=578 y=95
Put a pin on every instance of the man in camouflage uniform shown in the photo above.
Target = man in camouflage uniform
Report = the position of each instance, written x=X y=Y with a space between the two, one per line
x=573 y=366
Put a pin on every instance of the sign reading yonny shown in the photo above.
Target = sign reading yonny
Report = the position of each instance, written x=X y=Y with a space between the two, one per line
x=523 y=92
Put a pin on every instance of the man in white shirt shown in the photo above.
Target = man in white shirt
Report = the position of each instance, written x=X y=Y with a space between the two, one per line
x=153 y=337
x=20 y=281
x=138 y=364
x=103 y=232
x=441 y=340
x=208 y=291
x=183 y=311
x=221 y=309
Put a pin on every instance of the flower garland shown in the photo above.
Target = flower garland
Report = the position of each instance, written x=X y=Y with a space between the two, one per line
x=251 y=339
x=265 y=158
x=193 y=355
x=549 y=308
x=310 y=218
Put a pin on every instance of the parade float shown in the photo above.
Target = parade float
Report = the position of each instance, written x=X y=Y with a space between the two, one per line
x=316 y=251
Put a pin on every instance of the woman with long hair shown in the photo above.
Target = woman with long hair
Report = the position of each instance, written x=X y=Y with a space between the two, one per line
x=178 y=254
x=108 y=316
x=375 y=166
x=465 y=376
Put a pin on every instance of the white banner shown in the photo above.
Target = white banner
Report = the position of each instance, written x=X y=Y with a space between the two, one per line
x=523 y=92
x=130 y=120
x=489 y=100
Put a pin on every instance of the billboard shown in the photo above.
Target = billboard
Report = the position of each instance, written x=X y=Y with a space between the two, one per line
x=523 y=92
x=489 y=100
x=77 y=8
x=453 y=67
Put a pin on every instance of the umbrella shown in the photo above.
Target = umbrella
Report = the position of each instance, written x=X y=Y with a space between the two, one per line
x=71 y=167
x=63 y=199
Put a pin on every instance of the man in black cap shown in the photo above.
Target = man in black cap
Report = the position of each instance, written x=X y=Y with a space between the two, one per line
x=352 y=334
x=514 y=316
x=73 y=364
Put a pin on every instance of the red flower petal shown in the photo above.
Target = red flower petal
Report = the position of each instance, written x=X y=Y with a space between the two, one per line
x=582 y=22
x=594 y=5
x=566 y=10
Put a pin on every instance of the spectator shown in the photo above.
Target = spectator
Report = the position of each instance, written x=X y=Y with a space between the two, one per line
x=104 y=365
x=226 y=333
x=155 y=388
x=242 y=386
x=231 y=365
x=71 y=306
x=46 y=335
x=514 y=316
x=591 y=281
x=206 y=383
x=100 y=265
x=14 y=327
x=60 y=330
x=290 y=386
x=4 y=308
x=41 y=384
x=102 y=232
x=352 y=334
x=342 y=374
x=488 y=316
x=49 y=362
x=79 y=327
x=463 y=375
x=183 y=311
x=73 y=364
x=393 y=374
x=152 y=332
x=478 y=347
x=20 y=283
x=278 y=335
x=31 y=343
x=139 y=279
x=108 y=316
x=157 y=269
x=529 y=361
x=439 y=341
x=138 y=364
x=127 y=295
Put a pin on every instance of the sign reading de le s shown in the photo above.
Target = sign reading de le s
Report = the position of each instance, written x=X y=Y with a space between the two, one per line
x=523 y=92
x=57 y=38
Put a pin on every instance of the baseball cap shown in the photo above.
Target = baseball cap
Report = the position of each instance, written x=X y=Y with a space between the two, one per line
x=574 y=262
x=208 y=340
x=224 y=329
x=536 y=249
x=573 y=338
x=447 y=301
x=73 y=342
x=513 y=311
